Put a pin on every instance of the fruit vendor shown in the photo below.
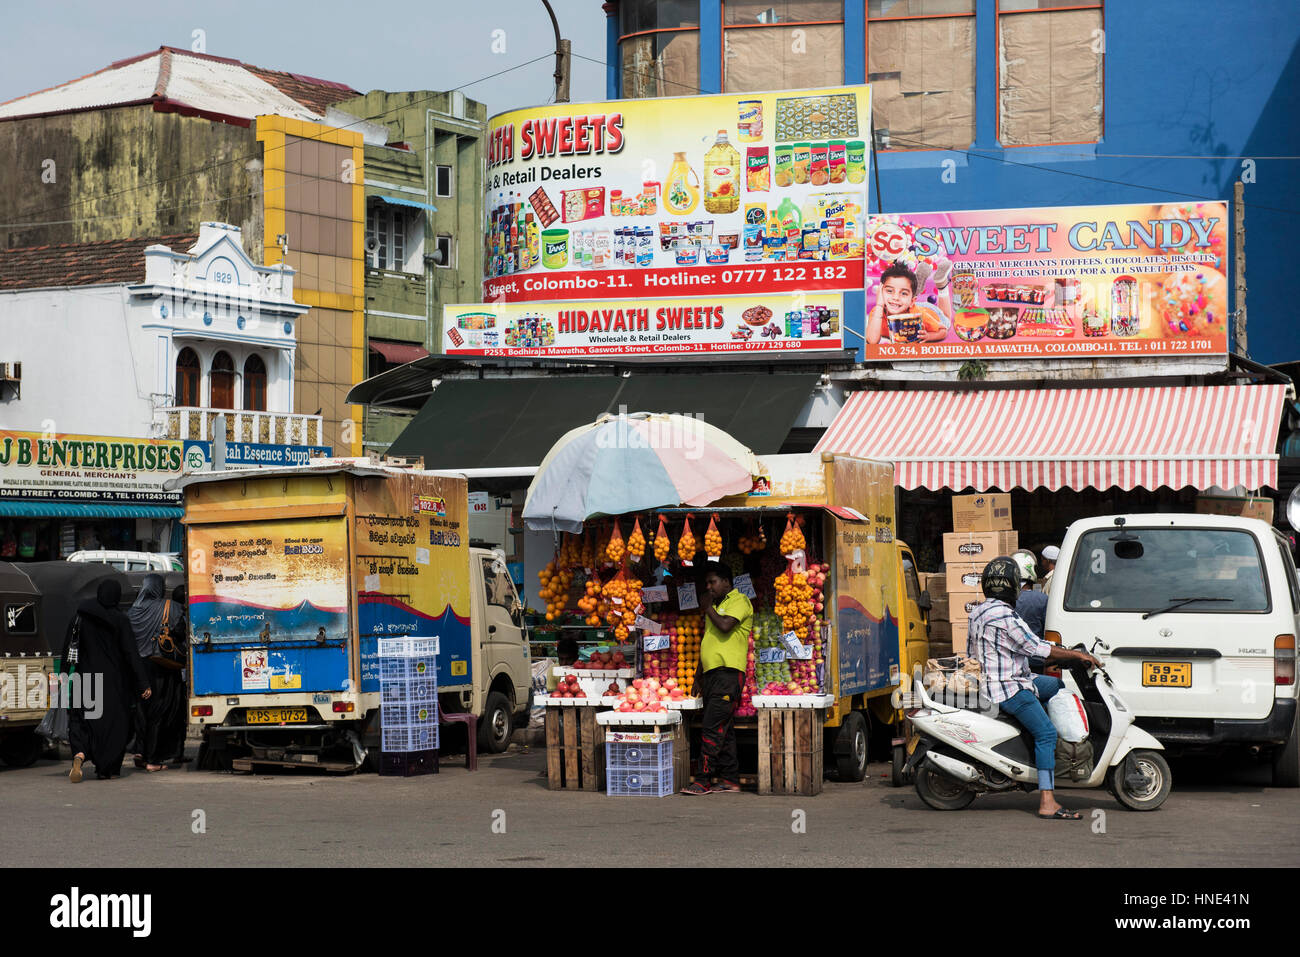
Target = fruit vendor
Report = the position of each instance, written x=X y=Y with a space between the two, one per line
x=724 y=652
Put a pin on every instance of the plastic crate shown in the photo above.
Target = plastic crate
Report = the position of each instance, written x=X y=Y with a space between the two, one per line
x=407 y=647
x=403 y=668
x=409 y=714
x=409 y=764
x=639 y=770
x=400 y=740
x=415 y=690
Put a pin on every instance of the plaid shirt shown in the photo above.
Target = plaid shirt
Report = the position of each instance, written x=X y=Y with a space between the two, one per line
x=1003 y=644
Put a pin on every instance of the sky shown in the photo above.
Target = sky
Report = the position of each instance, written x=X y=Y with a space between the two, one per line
x=434 y=45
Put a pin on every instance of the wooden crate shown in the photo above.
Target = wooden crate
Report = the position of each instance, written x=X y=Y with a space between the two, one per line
x=575 y=749
x=790 y=750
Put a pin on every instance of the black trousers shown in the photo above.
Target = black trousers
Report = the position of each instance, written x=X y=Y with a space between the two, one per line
x=720 y=688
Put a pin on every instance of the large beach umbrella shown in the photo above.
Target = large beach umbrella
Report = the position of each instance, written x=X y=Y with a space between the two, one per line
x=631 y=462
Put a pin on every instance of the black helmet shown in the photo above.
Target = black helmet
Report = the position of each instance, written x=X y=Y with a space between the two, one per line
x=1001 y=579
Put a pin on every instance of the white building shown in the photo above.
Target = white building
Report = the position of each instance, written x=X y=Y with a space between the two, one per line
x=206 y=330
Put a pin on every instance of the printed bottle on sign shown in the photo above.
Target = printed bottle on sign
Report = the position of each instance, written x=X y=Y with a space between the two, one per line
x=682 y=190
x=722 y=177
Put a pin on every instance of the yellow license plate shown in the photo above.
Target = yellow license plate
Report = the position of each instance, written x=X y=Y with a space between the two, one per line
x=1166 y=674
x=276 y=715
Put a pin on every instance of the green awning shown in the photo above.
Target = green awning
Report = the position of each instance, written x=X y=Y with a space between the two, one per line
x=85 y=510
x=502 y=423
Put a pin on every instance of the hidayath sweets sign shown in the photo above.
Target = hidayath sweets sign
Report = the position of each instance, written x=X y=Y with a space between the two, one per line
x=1048 y=283
x=677 y=196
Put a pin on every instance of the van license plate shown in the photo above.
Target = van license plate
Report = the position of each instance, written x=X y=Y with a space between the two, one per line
x=276 y=715
x=1166 y=674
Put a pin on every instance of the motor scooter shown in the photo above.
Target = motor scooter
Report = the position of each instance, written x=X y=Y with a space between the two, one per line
x=966 y=751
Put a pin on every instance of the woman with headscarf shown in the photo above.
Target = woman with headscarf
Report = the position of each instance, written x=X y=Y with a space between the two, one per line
x=152 y=616
x=107 y=657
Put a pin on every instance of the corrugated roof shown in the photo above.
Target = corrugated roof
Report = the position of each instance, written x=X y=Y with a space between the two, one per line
x=184 y=81
x=82 y=264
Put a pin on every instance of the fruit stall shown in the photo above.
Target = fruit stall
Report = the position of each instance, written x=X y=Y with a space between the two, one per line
x=824 y=650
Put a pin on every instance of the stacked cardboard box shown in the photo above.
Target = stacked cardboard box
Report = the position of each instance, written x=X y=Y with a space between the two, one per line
x=981 y=532
x=940 y=628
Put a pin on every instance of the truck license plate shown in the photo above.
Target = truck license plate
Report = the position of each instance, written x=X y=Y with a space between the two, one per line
x=276 y=715
x=1166 y=674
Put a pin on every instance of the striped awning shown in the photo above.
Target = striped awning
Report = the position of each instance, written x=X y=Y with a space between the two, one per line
x=1198 y=436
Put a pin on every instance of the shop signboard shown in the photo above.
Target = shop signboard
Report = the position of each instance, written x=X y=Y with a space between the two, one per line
x=1082 y=281
x=243 y=455
x=649 y=327
x=88 y=469
x=682 y=196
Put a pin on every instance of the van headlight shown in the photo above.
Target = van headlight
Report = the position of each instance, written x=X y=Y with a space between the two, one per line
x=1119 y=705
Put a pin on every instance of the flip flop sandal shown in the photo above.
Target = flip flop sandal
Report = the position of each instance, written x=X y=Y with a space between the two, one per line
x=161 y=767
x=1062 y=814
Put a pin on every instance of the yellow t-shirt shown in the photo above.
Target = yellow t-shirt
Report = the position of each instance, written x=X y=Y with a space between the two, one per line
x=721 y=649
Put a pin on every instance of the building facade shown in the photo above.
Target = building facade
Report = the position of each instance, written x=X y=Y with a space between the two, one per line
x=123 y=354
x=997 y=104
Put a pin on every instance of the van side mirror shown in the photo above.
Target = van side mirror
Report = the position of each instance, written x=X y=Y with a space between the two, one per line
x=924 y=602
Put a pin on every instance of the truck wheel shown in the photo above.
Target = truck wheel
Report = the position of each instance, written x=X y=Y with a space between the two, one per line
x=1150 y=786
x=21 y=749
x=941 y=793
x=898 y=766
x=851 y=748
x=1286 y=759
x=494 y=728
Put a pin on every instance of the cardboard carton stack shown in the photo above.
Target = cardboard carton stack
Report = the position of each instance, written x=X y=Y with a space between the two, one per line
x=982 y=531
x=935 y=583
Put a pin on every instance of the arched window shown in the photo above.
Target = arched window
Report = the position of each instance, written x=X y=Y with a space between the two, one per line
x=255 y=384
x=187 y=378
x=223 y=382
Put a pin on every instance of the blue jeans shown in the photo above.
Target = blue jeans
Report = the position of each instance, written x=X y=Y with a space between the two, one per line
x=1027 y=708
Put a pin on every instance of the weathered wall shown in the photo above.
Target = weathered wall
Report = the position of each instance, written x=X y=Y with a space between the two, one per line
x=125 y=172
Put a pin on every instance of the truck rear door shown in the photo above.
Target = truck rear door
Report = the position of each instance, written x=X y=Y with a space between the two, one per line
x=269 y=606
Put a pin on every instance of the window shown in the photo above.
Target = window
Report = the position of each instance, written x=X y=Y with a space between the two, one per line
x=255 y=384
x=775 y=45
x=499 y=588
x=1288 y=567
x=1148 y=569
x=446 y=251
x=921 y=66
x=223 y=382
x=909 y=578
x=1050 y=71
x=442 y=183
x=386 y=232
x=659 y=47
x=187 y=378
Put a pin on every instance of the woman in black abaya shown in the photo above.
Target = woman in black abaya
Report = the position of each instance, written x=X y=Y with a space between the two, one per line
x=164 y=712
x=107 y=661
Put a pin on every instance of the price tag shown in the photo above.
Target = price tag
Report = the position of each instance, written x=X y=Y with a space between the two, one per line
x=655 y=642
x=769 y=656
x=616 y=600
x=797 y=649
x=715 y=558
x=649 y=626
x=745 y=586
x=686 y=599
x=686 y=564
x=654 y=593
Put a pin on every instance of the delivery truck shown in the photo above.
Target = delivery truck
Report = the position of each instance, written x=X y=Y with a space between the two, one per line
x=296 y=574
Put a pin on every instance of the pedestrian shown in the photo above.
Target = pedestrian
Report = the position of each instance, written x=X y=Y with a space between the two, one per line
x=152 y=623
x=109 y=669
x=180 y=632
x=1050 y=554
x=1031 y=605
x=724 y=653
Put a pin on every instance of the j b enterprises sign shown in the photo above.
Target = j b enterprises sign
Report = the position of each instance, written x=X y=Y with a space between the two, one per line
x=57 y=467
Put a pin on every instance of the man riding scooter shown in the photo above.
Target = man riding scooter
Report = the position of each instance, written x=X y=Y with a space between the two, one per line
x=1003 y=644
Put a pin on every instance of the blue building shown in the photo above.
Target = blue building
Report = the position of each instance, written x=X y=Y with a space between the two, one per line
x=988 y=104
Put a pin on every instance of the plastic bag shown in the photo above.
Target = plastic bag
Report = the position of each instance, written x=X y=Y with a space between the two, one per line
x=662 y=545
x=54 y=725
x=615 y=549
x=636 y=542
x=1068 y=715
x=686 y=545
x=713 y=540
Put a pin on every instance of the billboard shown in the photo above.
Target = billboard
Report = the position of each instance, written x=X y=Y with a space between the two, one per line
x=677 y=196
x=65 y=468
x=650 y=327
x=1082 y=281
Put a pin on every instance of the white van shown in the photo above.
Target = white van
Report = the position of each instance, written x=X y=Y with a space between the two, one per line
x=1197 y=615
x=130 y=561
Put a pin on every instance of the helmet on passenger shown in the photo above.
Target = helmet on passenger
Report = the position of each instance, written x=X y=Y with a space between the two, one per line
x=1028 y=566
x=1001 y=580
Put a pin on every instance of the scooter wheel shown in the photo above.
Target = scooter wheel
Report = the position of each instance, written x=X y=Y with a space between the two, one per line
x=941 y=793
x=1149 y=787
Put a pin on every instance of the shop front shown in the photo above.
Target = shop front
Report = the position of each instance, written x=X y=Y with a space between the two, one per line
x=61 y=493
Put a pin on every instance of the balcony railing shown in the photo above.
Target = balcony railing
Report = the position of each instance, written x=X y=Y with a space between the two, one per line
x=267 y=428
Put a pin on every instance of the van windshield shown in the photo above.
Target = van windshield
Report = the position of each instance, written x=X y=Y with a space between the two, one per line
x=1149 y=569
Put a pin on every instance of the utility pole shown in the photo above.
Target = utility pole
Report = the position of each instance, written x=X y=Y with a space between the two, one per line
x=1239 y=265
x=562 y=59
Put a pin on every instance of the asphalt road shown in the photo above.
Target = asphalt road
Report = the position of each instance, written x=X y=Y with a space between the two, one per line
x=1216 y=817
